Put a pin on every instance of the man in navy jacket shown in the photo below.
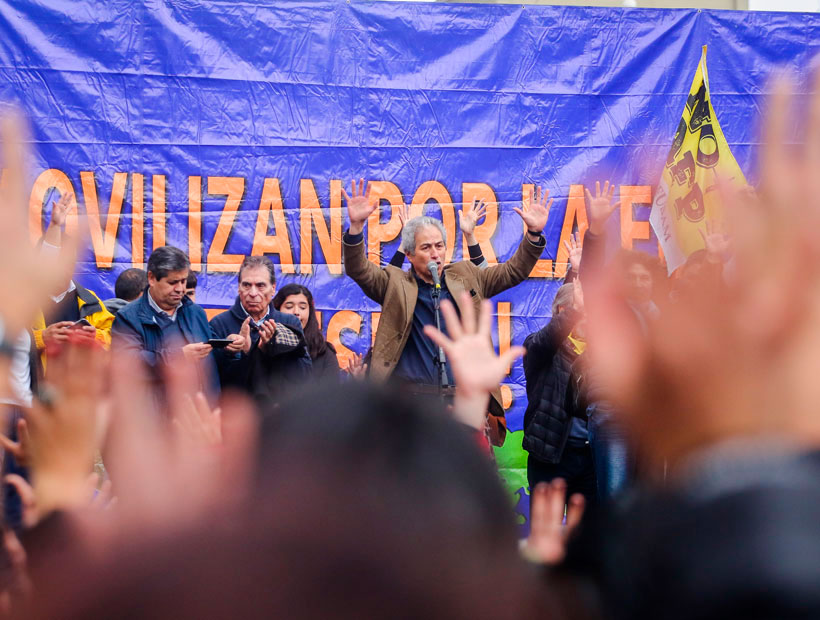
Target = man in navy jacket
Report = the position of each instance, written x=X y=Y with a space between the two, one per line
x=163 y=322
x=274 y=348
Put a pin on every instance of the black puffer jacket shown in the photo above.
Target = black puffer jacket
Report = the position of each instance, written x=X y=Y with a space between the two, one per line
x=552 y=399
x=326 y=365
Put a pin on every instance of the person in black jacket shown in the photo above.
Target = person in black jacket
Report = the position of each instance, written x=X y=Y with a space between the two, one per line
x=297 y=300
x=252 y=315
x=555 y=426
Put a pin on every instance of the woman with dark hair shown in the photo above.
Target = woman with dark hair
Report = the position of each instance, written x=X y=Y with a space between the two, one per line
x=297 y=300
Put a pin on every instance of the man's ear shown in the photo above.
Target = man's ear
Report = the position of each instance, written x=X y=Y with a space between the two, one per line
x=151 y=279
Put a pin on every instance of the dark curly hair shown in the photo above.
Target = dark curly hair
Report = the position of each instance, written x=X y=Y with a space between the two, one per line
x=316 y=343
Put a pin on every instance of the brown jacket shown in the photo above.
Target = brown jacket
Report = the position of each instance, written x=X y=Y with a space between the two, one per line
x=396 y=290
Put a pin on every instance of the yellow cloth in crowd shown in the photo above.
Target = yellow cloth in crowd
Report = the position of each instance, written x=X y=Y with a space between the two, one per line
x=578 y=343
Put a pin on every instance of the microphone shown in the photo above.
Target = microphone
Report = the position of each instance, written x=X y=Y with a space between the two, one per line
x=433 y=267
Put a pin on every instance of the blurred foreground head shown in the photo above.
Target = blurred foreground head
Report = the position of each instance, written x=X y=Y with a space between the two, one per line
x=734 y=354
x=364 y=507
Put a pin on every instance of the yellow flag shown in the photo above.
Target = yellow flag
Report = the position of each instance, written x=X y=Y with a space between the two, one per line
x=687 y=195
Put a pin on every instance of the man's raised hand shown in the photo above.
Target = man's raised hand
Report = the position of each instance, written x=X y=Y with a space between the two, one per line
x=359 y=205
x=716 y=241
x=196 y=421
x=357 y=367
x=548 y=538
x=403 y=217
x=62 y=425
x=60 y=209
x=468 y=218
x=476 y=367
x=573 y=247
x=600 y=206
x=535 y=212
x=18 y=449
x=32 y=275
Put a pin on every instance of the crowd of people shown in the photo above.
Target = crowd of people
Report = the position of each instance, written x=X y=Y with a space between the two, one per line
x=160 y=465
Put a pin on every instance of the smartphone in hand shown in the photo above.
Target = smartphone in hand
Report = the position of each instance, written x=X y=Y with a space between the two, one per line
x=219 y=343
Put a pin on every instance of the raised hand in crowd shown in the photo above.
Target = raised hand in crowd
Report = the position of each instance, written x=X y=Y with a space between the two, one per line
x=356 y=366
x=577 y=295
x=600 y=206
x=164 y=478
x=403 y=216
x=23 y=269
x=60 y=209
x=196 y=351
x=468 y=219
x=197 y=421
x=242 y=340
x=575 y=251
x=359 y=205
x=715 y=241
x=62 y=425
x=98 y=497
x=18 y=449
x=535 y=211
x=30 y=516
x=476 y=367
x=17 y=584
x=720 y=349
x=549 y=531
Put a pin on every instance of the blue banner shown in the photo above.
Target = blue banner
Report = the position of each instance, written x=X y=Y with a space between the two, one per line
x=229 y=128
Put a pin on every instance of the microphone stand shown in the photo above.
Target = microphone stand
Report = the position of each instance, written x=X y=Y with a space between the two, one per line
x=439 y=358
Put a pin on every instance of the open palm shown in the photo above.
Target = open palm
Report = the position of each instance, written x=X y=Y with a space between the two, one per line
x=600 y=206
x=359 y=205
x=60 y=210
x=476 y=367
x=468 y=217
x=536 y=211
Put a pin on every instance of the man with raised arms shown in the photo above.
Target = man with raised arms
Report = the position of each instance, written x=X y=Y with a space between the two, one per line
x=401 y=350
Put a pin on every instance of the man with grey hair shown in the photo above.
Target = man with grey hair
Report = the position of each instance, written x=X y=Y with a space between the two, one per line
x=164 y=322
x=401 y=349
x=274 y=349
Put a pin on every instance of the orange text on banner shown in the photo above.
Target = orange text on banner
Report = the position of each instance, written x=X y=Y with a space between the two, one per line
x=270 y=207
x=233 y=188
x=484 y=230
x=378 y=233
x=103 y=241
x=311 y=217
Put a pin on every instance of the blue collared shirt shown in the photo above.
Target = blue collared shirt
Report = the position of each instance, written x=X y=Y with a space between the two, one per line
x=155 y=307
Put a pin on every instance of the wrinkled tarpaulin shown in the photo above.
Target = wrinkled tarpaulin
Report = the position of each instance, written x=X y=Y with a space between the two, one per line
x=217 y=107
